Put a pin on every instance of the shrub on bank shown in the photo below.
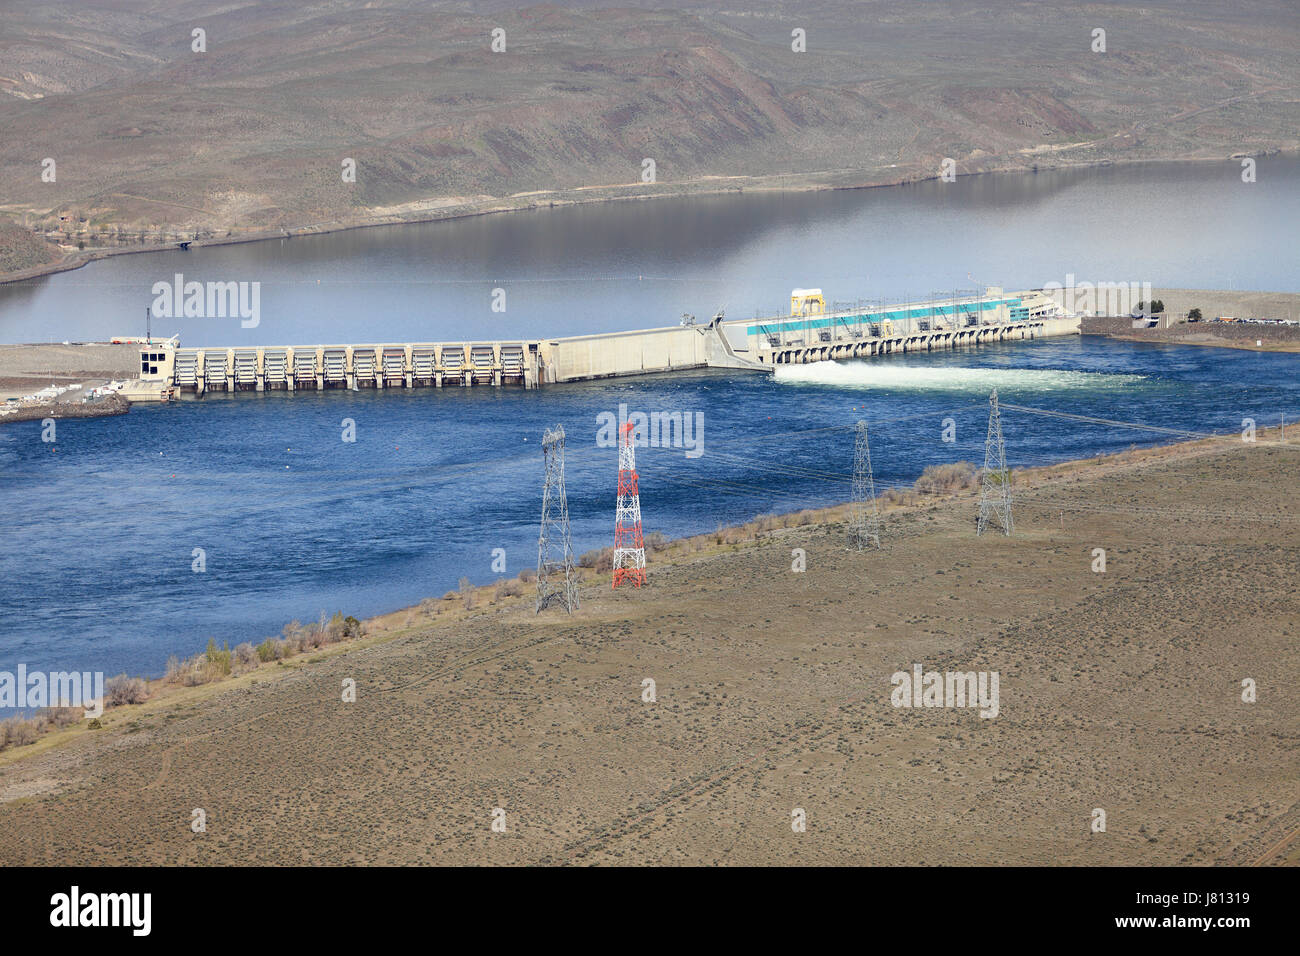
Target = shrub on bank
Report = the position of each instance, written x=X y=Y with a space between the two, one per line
x=18 y=732
x=507 y=588
x=121 y=690
x=947 y=479
x=599 y=560
x=219 y=661
x=898 y=496
x=22 y=733
x=56 y=718
x=213 y=664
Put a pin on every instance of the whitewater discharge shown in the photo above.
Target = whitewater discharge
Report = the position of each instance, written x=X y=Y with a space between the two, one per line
x=896 y=377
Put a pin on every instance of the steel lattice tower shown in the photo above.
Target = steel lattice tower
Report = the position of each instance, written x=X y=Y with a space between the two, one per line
x=864 y=521
x=555 y=530
x=995 y=489
x=629 y=548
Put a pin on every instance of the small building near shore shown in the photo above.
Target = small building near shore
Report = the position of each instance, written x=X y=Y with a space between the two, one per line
x=158 y=360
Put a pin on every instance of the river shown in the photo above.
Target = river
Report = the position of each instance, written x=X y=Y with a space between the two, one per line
x=100 y=531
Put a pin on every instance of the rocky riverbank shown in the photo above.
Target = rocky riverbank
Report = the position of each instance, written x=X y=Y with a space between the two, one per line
x=111 y=404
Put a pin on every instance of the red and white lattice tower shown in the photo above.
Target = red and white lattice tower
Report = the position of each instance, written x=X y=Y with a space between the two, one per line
x=629 y=548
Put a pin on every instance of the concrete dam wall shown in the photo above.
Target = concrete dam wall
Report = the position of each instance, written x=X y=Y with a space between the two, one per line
x=757 y=344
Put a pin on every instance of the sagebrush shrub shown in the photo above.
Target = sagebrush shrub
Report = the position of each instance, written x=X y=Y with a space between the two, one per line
x=121 y=690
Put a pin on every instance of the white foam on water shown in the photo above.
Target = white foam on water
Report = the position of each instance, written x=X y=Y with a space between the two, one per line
x=946 y=378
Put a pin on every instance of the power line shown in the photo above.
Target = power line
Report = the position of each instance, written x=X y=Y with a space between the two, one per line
x=1181 y=433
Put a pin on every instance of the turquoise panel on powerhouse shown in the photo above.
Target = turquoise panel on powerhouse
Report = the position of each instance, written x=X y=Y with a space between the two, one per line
x=898 y=315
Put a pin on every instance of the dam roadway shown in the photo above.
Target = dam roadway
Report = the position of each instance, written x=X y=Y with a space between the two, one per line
x=758 y=344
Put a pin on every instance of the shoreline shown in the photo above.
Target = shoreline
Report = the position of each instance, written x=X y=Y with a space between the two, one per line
x=818 y=181
x=1244 y=347
x=509 y=594
x=1280 y=334
x=106 y=407
x=28 y=370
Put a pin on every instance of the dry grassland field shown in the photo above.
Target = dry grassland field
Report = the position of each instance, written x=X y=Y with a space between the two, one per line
x=1119 y=690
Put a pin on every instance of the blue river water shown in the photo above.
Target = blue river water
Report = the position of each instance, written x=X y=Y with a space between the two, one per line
x=100 y=527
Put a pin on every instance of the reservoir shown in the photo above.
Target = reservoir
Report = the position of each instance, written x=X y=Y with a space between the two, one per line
x=633 y=265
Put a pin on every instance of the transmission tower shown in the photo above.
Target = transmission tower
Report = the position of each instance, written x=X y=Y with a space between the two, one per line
x=555 y=530
x=864 y=520
x=995 y=489
x=629 y=548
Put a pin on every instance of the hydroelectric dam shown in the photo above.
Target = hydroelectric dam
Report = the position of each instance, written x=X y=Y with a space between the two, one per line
x=810 y=333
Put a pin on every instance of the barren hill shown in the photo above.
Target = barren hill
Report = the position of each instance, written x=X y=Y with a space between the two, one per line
x=152 y=140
